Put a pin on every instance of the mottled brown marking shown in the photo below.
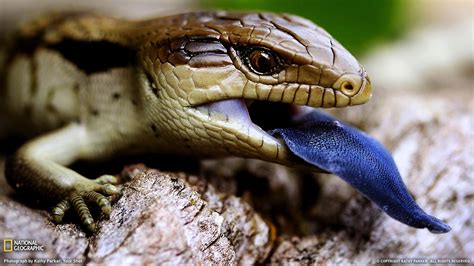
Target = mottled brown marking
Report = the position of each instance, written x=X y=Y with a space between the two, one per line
x=152 y=85
x=51 y=108
x=49 y=99
x=28 y=110
x=76 y=88
x=34 y=77
x=94 y=112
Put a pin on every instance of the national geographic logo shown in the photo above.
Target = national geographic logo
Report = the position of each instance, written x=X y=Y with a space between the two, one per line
x=10 y=245
x=7 y=245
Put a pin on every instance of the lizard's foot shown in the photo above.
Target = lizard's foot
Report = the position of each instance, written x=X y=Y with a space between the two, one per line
x=95 y=194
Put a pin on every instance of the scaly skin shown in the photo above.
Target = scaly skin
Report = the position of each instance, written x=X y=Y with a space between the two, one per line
x=153 y=92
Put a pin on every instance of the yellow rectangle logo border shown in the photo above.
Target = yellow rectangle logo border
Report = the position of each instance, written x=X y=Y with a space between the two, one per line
x=5 y=241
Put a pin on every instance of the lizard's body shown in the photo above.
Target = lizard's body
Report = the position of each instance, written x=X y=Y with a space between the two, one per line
x=45 y=92
x=93 y=87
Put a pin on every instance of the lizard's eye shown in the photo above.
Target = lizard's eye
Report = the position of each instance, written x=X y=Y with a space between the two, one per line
x=262 y=62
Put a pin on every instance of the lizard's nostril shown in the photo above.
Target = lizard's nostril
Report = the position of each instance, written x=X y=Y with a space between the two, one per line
x=349 y=84
x=347 y=87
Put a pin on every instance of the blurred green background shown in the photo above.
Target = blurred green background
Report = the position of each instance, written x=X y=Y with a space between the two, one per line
x=357 y=25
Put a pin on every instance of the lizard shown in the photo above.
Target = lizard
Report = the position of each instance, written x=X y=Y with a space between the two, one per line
x=85 y=86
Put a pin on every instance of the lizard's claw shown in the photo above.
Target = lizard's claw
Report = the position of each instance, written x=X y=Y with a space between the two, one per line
x=95 y=195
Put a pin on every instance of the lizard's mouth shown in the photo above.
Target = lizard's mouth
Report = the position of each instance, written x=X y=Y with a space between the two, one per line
x=263 y=114
x=322 y=141
x=253 y=117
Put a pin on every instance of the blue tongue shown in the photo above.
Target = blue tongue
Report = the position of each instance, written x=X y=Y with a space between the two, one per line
x=361 y=161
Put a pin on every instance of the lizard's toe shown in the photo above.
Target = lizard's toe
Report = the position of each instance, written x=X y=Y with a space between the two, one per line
x=83 y=211
x=100 y=200
x=106 y=185
x=107 y=179
x=109 y=189
x=59 y=210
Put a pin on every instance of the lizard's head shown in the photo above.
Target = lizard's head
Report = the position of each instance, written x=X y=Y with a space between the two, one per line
x=229 y=77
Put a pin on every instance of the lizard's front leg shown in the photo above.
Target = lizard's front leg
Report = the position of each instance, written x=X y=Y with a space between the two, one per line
x=39 y=168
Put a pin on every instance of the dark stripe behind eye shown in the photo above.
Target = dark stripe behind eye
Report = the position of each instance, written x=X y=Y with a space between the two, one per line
x=96 y=56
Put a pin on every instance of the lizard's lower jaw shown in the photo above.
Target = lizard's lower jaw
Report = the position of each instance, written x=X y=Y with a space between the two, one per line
x=249 y=122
